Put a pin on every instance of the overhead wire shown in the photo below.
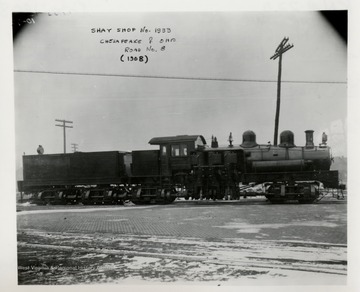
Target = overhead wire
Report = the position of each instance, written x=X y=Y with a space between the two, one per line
x=174 y=77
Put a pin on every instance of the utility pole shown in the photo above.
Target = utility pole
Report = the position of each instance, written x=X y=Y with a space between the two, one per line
x=74 y=147
x=281 y=49
x=64 y=126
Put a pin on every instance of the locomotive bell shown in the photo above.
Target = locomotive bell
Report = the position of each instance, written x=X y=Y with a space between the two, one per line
x=287 y=139
x=249 y=139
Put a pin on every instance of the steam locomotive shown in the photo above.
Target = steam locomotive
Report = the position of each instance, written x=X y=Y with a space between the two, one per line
x=183 y=166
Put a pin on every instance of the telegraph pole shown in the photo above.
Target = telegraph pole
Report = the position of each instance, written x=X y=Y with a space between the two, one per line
x=281 y=49
x=74 y=147
x=64 y=126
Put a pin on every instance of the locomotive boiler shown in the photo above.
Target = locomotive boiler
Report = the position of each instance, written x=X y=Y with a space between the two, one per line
x=286 y=171
x=182 y=166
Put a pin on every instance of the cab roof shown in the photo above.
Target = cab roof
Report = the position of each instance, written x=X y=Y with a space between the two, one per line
x=176 y=139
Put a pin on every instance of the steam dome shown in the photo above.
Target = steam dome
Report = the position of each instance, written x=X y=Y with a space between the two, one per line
x=249 y=139
x=287 y=139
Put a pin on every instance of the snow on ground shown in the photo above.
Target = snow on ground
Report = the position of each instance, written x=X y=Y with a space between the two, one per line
x=132 y=259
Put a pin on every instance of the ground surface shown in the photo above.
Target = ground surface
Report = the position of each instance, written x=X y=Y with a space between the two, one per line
x=188 y=242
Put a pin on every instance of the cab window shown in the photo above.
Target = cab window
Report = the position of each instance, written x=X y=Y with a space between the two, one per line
x=163 y=150
x=175 y=150
x=183 y=150
x=179 y=150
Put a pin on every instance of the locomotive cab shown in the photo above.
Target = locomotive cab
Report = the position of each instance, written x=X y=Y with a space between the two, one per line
x=175 y=152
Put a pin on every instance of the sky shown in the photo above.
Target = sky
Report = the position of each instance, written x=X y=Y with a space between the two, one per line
x=214 y=77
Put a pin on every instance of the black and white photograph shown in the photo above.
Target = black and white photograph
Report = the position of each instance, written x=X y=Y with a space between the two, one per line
x=181 y=148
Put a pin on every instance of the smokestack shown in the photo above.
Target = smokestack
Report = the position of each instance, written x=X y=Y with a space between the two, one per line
x=309 y=139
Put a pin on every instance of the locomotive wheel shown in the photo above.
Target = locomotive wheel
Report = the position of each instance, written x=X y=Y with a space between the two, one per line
x=89 y=202
x=169 y=200
x=140 y=202
x=276 y=200
x=306 y=201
